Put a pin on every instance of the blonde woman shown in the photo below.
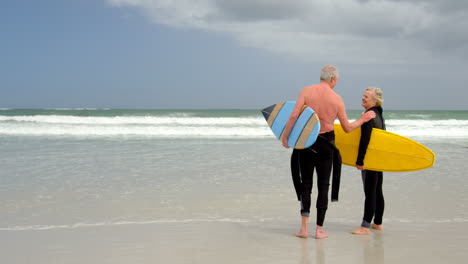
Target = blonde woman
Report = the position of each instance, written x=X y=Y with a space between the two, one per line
x=374 y=204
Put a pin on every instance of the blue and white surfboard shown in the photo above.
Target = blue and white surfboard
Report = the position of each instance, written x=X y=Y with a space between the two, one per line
x=304 y=132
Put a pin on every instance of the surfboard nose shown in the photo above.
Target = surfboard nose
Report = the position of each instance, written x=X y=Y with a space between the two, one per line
x=267 y=111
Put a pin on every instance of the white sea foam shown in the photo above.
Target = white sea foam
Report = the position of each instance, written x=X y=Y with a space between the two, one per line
x=151 y=131
x=165 y=126
x=185 y=125
x=429 y=128
x=135 y=120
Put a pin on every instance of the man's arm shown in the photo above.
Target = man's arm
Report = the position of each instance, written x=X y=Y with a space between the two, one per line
x=289 y=125
x=366 y=132
x=345 y=124
x=293 y=118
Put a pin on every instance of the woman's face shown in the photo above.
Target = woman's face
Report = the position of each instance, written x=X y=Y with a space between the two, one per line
x=368 y=100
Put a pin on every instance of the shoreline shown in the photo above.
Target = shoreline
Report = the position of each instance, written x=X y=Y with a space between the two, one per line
x=210 y=242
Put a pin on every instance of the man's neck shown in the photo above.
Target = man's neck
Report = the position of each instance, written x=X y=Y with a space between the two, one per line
x=326 y=84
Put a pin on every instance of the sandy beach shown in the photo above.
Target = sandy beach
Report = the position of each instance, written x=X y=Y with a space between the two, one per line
x=212 y=242
x=145 y=198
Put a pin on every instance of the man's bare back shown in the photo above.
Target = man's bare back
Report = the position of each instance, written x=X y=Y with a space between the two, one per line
x=325 y=103
x=328 y=105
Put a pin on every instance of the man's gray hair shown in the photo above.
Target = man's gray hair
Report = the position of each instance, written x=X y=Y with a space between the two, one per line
x=328 y=72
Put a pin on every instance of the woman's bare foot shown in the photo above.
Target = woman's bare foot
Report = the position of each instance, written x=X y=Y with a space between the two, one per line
x=319 y=233
x=377 y=227
x=361 y=231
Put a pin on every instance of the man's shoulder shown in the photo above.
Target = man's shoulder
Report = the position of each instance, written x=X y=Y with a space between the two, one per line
x=337 y=97
x=311 y=87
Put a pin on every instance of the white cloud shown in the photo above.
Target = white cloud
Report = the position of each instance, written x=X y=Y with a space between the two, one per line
x=368 y=31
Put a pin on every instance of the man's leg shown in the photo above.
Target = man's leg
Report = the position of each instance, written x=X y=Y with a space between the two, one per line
x=306 y=165
x=324 y=168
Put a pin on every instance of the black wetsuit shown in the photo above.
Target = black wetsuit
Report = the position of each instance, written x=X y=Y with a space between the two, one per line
x=374 y=203
x=320 y=156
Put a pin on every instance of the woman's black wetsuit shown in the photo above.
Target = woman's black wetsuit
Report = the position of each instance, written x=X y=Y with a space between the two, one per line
x=374 y=203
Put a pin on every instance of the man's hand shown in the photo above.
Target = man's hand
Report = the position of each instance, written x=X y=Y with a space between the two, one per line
x=366 y=116
x=360 y=167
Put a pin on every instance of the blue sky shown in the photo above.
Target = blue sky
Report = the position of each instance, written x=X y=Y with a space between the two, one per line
x=244 y=54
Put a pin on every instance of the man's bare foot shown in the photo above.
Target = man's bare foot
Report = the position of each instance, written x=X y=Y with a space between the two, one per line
x=302 y=234
x=319 y=234
x=377 y=227
x=361 y=231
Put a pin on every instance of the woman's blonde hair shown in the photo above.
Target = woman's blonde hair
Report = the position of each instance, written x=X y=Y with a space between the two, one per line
x=378 y=95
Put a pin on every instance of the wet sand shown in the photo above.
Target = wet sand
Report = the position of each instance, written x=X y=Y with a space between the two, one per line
x=215 y=242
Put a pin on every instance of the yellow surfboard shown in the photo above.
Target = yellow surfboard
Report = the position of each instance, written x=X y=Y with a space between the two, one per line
x=386 y=151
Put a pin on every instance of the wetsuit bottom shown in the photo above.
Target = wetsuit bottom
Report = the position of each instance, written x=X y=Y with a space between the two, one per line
x=319 y=157
x=374 y=203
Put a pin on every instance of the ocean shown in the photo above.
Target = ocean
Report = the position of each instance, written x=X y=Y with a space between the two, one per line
x=77 y=170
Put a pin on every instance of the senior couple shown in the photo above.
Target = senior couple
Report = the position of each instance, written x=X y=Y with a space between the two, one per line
x=323 y=155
